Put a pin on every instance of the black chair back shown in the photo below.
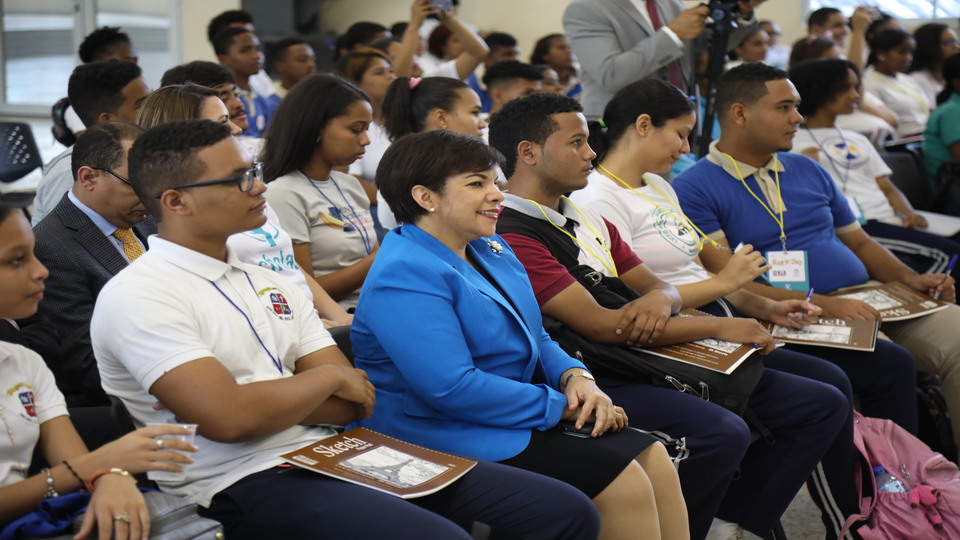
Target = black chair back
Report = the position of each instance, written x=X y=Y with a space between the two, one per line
x=909 y=177
x=19 y=154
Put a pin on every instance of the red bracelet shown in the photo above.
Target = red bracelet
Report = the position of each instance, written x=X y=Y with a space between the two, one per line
x=90 y=483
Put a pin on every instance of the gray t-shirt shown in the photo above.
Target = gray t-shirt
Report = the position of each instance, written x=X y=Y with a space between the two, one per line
x=332 y=215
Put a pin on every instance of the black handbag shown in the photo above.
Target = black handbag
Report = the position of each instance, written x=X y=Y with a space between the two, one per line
x=614 y=365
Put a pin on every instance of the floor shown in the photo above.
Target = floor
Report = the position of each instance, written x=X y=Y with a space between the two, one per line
x=802 y=519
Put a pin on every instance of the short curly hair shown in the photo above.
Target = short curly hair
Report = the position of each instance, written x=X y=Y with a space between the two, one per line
x=166 y=155
x=528 y=118
x=97 y=87
x=97 y=45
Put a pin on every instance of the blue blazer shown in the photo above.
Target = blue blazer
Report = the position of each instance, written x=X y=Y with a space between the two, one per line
x=457 y=366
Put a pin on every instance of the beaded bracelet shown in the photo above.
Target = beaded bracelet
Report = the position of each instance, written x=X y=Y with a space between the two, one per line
x=74 y=473
x=51 y=493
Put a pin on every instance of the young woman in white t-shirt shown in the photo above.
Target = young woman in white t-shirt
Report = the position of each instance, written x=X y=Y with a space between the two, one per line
x=645 y=129
x=891 y=52
x=34 y=416
x=321 y=125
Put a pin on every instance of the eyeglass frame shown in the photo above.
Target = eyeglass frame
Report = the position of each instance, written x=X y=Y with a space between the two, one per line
x=115 y=175
x=253 y=174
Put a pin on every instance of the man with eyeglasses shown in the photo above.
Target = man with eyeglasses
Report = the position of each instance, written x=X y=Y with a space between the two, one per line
x=84 y=241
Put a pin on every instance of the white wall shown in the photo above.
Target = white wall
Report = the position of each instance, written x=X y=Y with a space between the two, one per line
x=194 y=17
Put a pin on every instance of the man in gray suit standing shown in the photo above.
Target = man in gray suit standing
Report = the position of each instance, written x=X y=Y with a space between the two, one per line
x=84 y=241
x=622 y=41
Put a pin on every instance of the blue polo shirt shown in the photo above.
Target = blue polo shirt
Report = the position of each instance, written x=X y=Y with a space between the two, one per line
x=815 y=212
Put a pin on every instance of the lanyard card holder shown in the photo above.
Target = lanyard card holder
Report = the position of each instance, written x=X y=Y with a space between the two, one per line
x=788 y=270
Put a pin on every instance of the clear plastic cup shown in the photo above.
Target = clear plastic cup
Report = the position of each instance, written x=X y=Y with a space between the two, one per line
x=170 y=476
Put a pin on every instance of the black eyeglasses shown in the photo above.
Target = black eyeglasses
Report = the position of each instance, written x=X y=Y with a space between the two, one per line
x=115 y=175
x=244 y=181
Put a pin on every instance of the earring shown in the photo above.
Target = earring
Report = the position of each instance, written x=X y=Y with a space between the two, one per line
x=431 y=209
x=882 y=58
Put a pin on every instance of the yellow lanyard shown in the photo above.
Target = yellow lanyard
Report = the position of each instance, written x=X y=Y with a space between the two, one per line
x=612 y=267
x=698 y=236
x=776 y=165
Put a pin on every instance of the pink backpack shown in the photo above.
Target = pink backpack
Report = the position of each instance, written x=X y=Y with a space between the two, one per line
x=931 y=507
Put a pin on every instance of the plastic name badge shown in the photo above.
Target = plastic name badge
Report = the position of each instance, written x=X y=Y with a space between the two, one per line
x=788 y=270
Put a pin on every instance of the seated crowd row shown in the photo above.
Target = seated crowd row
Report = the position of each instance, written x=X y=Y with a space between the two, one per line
x=217 y=322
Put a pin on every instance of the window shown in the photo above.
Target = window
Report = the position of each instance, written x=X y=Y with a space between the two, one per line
x=39 y=41
x=901 y=9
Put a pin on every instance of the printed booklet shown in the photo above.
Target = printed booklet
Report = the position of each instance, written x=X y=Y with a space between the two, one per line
x=368 y=458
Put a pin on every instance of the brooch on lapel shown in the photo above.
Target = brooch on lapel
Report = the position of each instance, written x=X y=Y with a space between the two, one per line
x=495 y=246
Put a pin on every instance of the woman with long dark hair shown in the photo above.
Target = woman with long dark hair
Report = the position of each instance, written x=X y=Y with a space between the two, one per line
x=320 y=125
x=935 y=43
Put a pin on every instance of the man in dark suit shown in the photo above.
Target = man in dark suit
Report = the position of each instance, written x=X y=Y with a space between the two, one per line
x=88 y=238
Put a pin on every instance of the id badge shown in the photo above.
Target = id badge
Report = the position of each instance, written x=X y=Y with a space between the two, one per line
x=789 y=270
x=855 y=208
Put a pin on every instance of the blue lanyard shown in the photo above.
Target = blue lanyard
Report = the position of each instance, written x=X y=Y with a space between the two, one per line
x=833 y=165
x=364 y=235
x=276 y=361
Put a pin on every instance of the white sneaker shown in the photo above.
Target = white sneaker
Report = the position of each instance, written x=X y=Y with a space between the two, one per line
x=724 y=530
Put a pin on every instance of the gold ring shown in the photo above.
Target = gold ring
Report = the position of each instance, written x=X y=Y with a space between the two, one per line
x=159 y=444
x=122 y=517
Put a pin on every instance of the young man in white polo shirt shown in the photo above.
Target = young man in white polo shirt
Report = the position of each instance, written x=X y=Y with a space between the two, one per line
x=238 y=350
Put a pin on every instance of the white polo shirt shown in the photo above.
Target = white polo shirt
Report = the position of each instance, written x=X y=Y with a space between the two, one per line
x=174 y=305
x=29 y=398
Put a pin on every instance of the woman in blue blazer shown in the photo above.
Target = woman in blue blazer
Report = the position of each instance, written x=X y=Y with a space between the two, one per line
x=449 y=332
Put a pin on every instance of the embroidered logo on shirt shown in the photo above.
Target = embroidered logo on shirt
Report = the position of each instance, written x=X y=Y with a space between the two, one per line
x=25 y=394
x=278 y=304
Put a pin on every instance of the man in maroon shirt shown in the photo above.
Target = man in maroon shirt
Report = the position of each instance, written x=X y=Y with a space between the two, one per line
x=544 y=140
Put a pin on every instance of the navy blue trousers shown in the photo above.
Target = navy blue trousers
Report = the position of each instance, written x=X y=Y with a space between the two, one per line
x=804 y=416
x=295 y=503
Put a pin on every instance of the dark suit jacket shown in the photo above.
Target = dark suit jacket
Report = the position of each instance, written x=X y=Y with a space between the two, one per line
x=81 y=260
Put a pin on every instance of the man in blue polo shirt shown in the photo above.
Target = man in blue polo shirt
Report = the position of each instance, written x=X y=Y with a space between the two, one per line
x=748 y=189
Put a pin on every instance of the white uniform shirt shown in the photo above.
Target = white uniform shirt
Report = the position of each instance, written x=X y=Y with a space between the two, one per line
x=930 y=86
x=854 y=165
x=903 y=96
x=270 y=247
x=332 y=215
x=665 y=245
x=164 y=311
x=29 y=398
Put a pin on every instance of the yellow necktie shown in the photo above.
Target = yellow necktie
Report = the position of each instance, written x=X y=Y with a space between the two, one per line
x=131 y=247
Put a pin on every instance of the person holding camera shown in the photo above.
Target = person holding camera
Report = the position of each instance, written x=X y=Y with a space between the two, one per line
x=621 y=41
